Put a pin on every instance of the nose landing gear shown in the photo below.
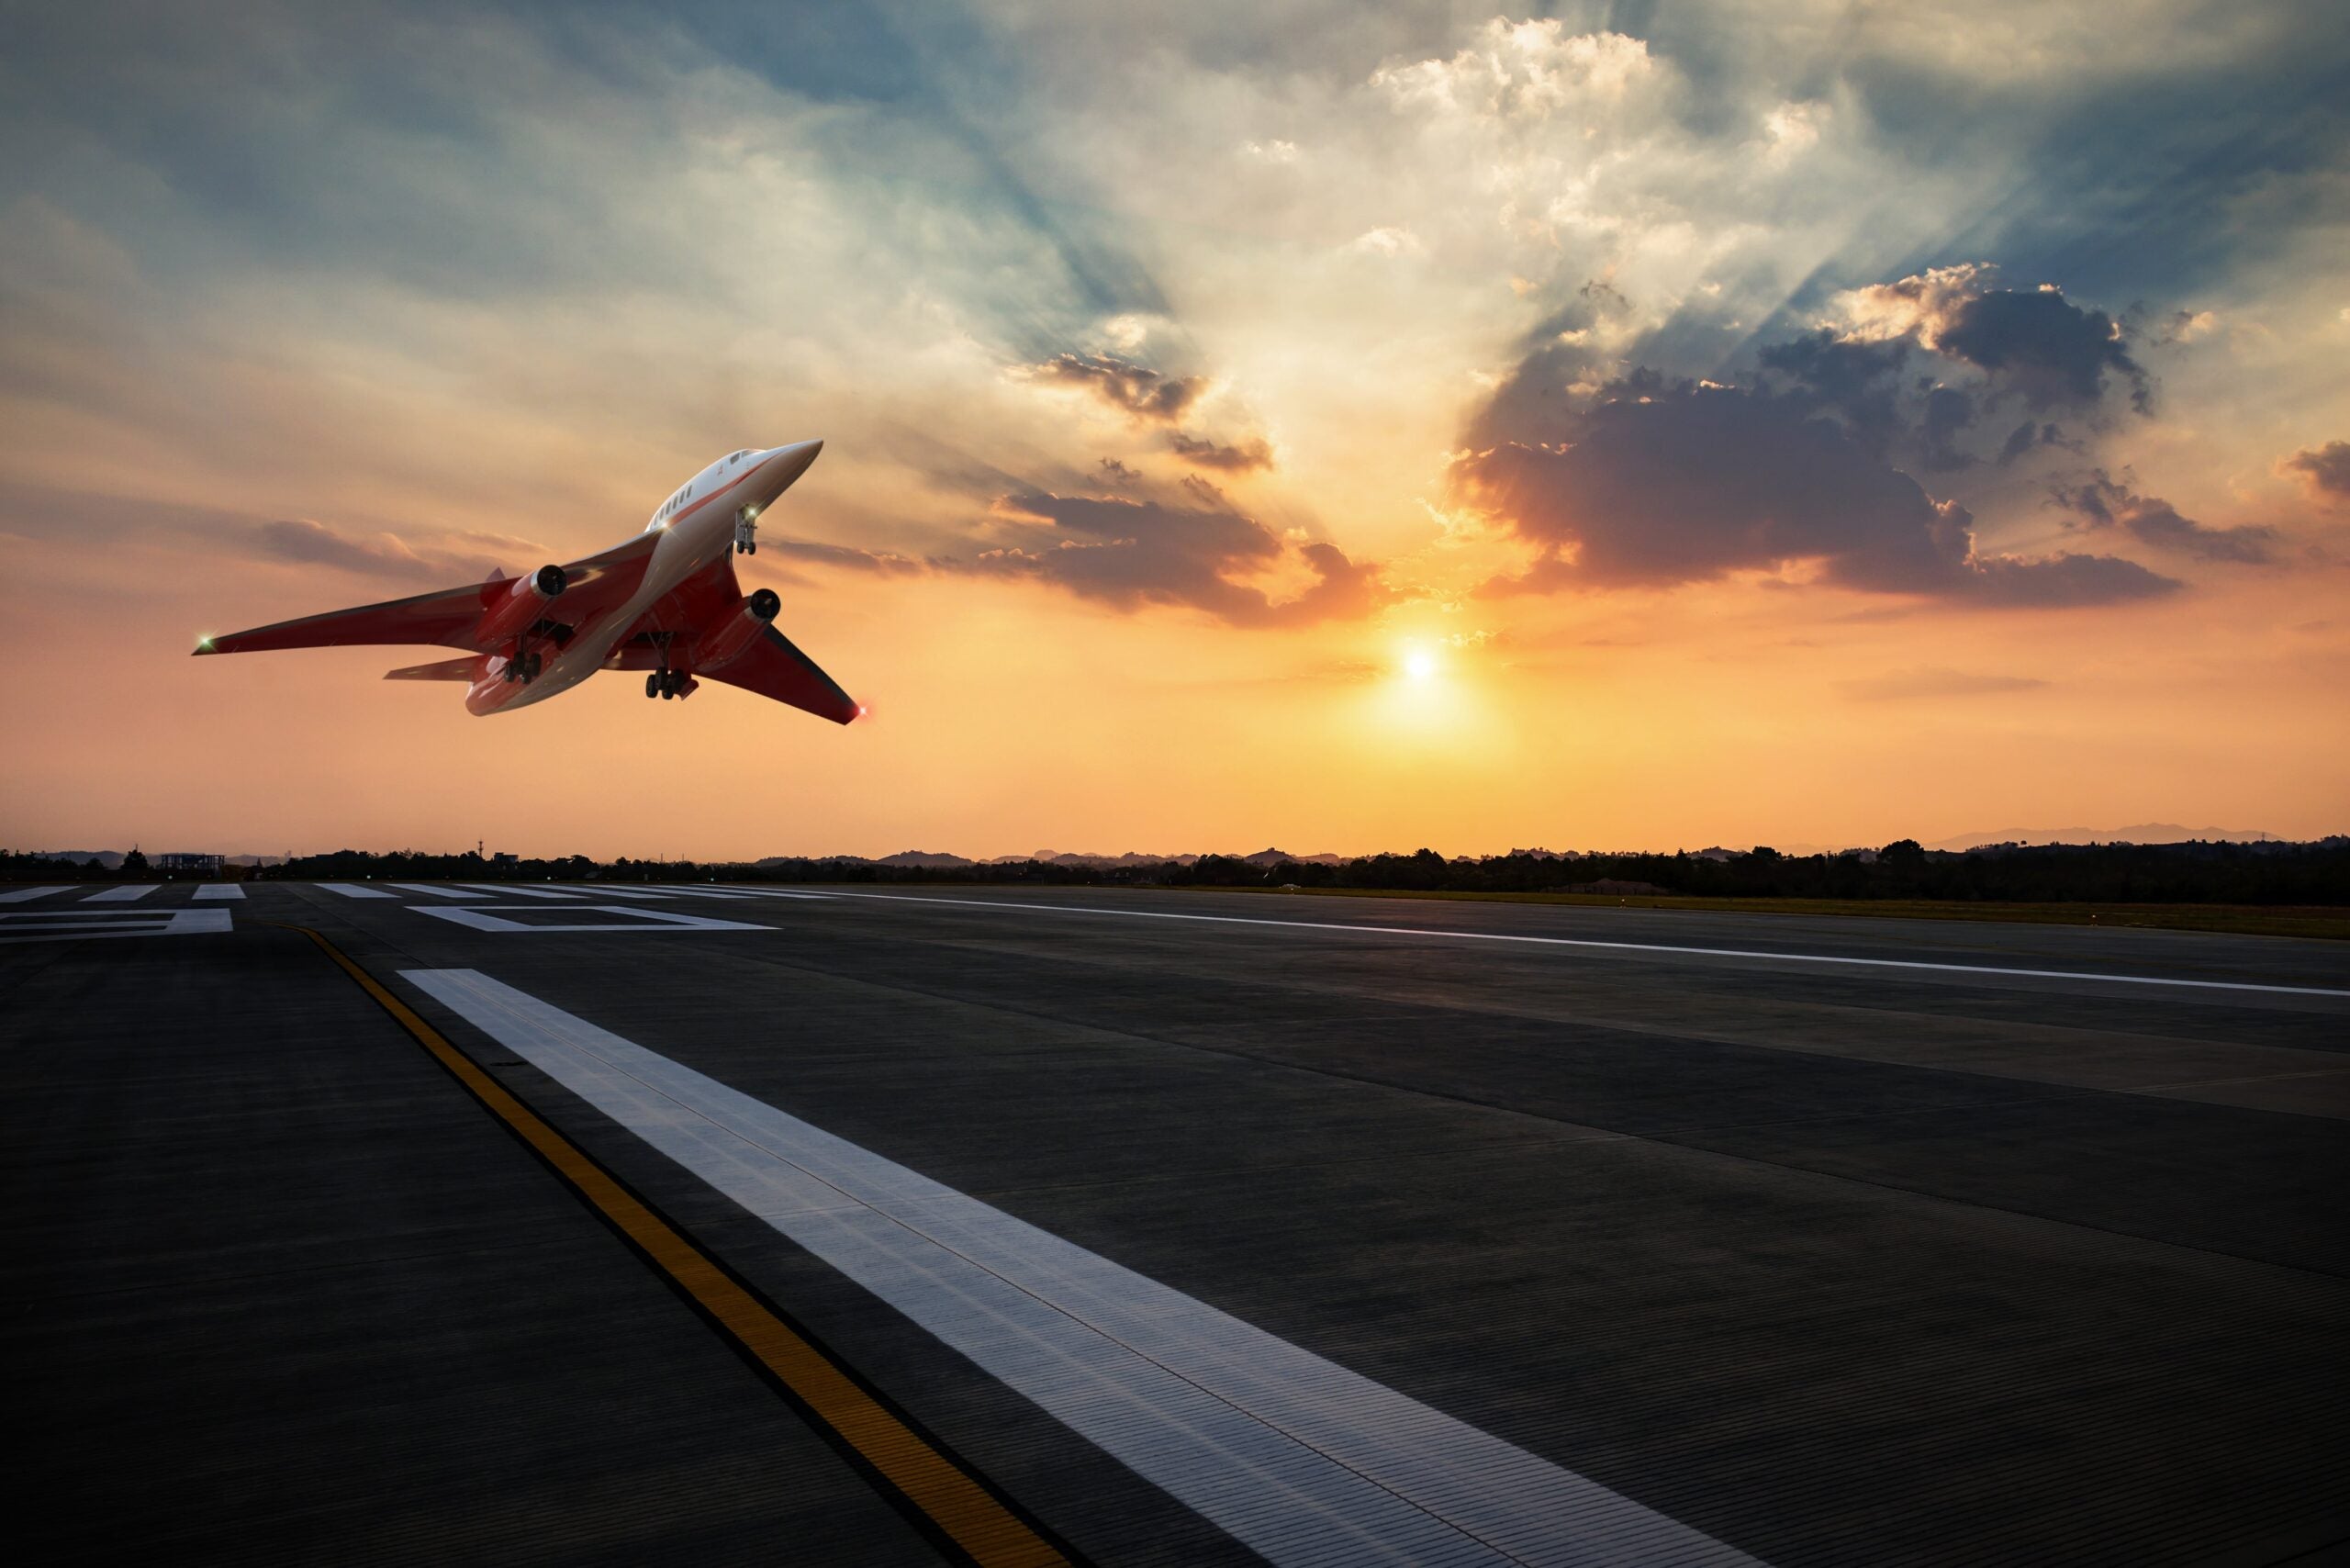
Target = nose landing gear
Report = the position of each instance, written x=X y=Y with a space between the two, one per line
x=746 y=530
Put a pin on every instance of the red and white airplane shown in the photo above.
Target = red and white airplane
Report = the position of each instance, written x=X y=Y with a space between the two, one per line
x=666 y=602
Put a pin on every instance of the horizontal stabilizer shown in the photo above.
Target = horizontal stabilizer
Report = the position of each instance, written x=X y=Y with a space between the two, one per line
x=447 y=669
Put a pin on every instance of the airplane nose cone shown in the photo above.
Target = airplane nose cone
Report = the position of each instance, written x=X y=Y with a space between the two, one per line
x=785 y=464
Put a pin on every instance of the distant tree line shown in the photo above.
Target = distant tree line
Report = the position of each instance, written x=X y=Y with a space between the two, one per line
x=2306 y=874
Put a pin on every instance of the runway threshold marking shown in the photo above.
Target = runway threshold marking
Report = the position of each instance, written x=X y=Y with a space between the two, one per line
x=123 y=895
x=437 y=892
x=1620 y=947
x=354 y=891
x=74 y=926
x=1299 y=1459
x=940 y=1495
x=228 y=890
x=26 y=895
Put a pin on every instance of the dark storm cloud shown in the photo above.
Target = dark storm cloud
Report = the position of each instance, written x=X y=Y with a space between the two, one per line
x=1130 y=553
x=1243 y=456
x=2041 y=343
x=2033 y=434
x=1861 y=382
x=2031 y=343
x=1144 y=394
x=2325 y=470
x=1663 y=483
x=2099 y=502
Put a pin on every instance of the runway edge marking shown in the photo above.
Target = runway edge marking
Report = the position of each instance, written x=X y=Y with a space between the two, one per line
x=1617 y=947
x=940 y=1497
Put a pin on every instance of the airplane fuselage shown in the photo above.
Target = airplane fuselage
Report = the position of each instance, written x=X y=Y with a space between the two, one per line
x=698 y=528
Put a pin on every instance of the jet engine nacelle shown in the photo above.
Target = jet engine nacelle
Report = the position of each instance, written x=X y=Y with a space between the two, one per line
x=730 y=637
x=521 y=606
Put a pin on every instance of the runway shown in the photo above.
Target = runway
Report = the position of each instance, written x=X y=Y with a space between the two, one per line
x=887 y=1225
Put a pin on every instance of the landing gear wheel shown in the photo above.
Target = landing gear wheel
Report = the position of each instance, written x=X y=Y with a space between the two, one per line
x=537 y=662
x=653 y=684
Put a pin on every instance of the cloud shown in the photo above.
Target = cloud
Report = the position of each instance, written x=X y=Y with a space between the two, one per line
x=2099 y=502
x=846 y=556
x=1242 y=456
x=1924 y=681
x=1130 y=553
x=1666 y=483
x=465 y=557
x=2325 y=470
x=1143 y=394
x=2035 y=342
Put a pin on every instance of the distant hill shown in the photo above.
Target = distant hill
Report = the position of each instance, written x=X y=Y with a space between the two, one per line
x=109 y=859
x=2138 y=832
x=1051 y=856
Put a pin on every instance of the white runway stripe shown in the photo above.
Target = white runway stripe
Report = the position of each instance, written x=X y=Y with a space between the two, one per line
x=777 y=894
x=1620 y=947
x=354 y=891
x=26 y=895
x=1302 y=1461
x=220 y=890
x=82 y=925
x=123 y=895
x=604 y=892
x=436 y=893
x=517 y=887
x=735 y=892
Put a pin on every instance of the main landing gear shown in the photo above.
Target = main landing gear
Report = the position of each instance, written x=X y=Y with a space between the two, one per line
x=747 y=529
x=525 y=667
x=668 y=683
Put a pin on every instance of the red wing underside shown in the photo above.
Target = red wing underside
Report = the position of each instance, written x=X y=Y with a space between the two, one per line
x=773 y=667
x=447 y=619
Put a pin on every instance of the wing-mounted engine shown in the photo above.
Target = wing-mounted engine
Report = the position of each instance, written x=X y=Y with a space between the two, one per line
x=723 y=644
x=518 y=617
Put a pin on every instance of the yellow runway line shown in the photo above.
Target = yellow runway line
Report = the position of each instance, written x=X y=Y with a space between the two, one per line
x=956 y=1506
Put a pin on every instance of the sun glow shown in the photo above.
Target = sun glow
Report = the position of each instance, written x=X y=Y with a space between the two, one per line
x=1420 y=665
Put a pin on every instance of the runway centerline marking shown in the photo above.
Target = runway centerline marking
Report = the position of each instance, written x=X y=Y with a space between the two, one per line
x=1620 y=946
x=1297 y=1458
x=632 y=918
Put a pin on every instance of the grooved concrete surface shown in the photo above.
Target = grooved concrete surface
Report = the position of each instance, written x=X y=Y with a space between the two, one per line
x=1836 y=1265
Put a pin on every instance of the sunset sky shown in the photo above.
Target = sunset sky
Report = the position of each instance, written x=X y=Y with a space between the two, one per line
x=1338 y=427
